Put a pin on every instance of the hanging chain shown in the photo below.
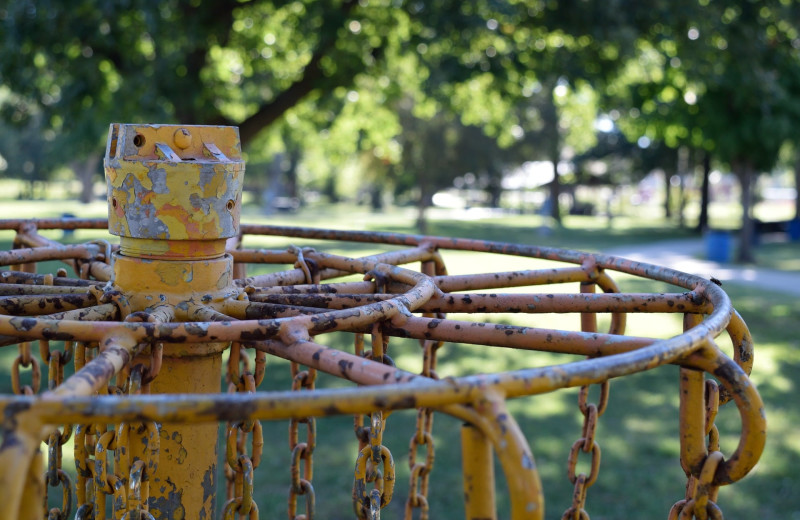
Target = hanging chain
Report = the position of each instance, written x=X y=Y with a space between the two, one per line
x=241 y=465
x=128 y=480
x=701 y=493
x=302 y=465
x=85 y=440
x=303 y=379
x=138 y=472
x=55 y=475
x=375 y=464
x=361 y=433
x=423 y=432
x=586 y=443
x=107 y=480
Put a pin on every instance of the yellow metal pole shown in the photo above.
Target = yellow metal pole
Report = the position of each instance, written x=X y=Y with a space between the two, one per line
x=22 y=481
x=692 y=412
x=478 y=469
x=174 y=195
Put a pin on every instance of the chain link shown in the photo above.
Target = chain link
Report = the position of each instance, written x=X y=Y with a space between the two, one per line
x=419 y=473
x=239 y=465
x=586 y=443
x=55 y=475
x=85 y=441
x=302 y=452
x=374 y=464
x=701 y=495
x=25 y=360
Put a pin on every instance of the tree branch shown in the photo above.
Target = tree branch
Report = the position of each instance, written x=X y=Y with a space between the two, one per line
x=274 y=109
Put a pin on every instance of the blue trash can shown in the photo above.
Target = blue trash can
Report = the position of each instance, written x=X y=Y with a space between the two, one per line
x=794 y=230
x=719 y=246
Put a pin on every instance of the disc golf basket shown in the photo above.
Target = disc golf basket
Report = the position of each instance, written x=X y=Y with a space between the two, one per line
x=134 y=339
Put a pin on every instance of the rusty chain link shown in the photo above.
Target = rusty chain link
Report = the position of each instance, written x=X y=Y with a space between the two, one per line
x=25 y=360
x=374 y=464
x=140 y=470
x=55 y=475
x=301 y=469
x=85 y=440
x=701 y=495
x=239 y=465
x=423 y=433
x=586 y=443
x=302 y=464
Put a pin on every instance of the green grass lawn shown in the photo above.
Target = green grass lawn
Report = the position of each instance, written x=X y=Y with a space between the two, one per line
x=640 y=475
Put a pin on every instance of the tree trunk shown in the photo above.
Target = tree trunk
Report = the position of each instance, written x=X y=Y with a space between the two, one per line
x=555 y=194
x=797 y=185
x=550 y=117
x=292 y=189
x=423 y=202
x=86 y=171
x=495 y=187
x=702 y=223
x=684 y=167
x=667 y=193
x=744 y=171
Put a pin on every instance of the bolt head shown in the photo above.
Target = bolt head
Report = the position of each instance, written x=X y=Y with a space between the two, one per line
x=182 y=138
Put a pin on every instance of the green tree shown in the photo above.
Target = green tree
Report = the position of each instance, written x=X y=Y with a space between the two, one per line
x=753 y=101
x=249 y=62
x=722 y=76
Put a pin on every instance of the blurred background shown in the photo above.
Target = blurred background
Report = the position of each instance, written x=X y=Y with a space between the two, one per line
x=577 y=107
x=579 y=123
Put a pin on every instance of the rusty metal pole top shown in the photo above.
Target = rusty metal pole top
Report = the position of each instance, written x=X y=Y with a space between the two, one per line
x=174 y=191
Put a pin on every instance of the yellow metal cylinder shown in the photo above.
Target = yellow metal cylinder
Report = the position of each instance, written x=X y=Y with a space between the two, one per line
x=169 y=182
x=478 y=471
x=174 y=195
x=184 y=485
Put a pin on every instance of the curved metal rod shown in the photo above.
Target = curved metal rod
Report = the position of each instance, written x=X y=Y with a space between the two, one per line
x=103 y=311
x=199 y=312
x=365 y=287
x=22 y=482
x=751 y=410
x=515 y=456
x=618 y=318
x=742 y=342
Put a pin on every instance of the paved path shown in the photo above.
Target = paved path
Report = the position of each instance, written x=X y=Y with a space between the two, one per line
x=685 y=255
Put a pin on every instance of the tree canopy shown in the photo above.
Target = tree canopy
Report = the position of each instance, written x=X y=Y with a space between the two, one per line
x=360 y=78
